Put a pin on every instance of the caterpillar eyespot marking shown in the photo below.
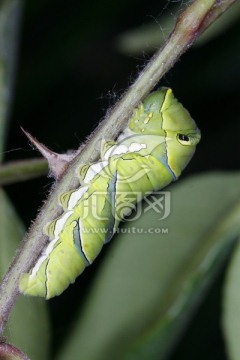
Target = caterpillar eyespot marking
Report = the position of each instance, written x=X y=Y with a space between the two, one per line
x=157 y=144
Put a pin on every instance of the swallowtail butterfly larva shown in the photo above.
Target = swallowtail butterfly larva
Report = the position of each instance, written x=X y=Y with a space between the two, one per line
x=152 y=151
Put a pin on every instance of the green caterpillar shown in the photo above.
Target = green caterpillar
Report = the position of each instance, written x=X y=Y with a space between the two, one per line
x=152 y=151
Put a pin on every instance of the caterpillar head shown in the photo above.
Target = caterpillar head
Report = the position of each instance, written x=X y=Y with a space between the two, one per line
x=162 y=114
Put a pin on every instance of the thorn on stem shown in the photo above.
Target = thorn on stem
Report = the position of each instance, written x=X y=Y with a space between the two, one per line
x=57 y=163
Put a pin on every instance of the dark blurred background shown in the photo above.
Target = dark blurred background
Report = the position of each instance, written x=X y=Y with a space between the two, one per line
x=70 y=70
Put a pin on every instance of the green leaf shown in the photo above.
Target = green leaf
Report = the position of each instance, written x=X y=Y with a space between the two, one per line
x=221 y=25
x=231 y=307
x=28 y=327
x=150 y=283
x=146 y=38
x=152 y=35
x=9 y=23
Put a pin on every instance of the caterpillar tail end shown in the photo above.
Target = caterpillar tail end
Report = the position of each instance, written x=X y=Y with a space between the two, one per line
x=32 y=287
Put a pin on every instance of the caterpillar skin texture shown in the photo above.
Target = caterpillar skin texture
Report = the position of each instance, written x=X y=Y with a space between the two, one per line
x=157 y=144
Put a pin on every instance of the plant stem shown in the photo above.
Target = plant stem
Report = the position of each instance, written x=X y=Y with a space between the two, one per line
x=16 y=171
x=194 y=20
